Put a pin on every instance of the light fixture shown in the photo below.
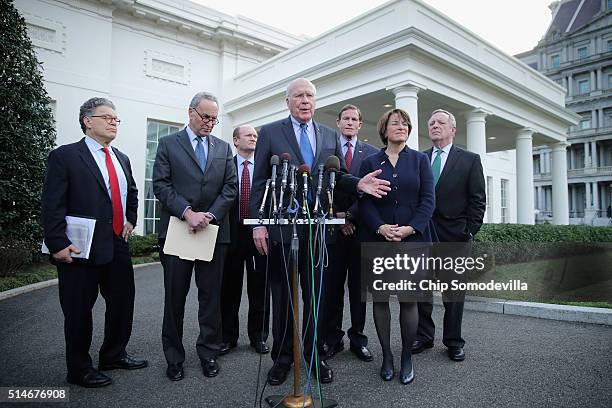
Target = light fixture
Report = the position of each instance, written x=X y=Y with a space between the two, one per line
x=387 y=105
x=492 y=137
x=365 y=140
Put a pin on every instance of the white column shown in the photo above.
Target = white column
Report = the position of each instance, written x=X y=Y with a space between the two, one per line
x=572 y=156
x=524 y=177
x=559 y=184
x=570 y=85
x=595 y=189
x=477 y=135
x=406 y=98
x=587 y=155
x=594 y=154
x=601 y=121
x=593 y=83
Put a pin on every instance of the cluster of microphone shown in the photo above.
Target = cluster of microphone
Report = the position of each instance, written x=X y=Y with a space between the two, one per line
x=289 y=179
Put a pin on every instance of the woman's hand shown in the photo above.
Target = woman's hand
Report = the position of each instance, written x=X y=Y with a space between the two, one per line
x=388 y=231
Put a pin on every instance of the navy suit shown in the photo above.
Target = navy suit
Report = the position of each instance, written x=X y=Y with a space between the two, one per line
x=74 y=186
x=411 y=200
x=275 y=139
x=345 y=266
x=242 y=252
x=460 y=208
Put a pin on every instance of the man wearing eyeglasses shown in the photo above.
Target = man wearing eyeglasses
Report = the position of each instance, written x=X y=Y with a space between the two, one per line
x=93 y=180
x=194 y=178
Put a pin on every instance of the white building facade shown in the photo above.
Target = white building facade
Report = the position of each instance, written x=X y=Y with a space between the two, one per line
x=150 y=56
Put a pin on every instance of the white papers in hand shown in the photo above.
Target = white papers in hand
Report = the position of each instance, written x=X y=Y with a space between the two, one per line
x=181 y=242
x=80 y=232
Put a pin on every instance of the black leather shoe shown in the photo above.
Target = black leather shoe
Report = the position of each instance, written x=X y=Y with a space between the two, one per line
x=210 y=367
x=278 y=374
x=387 y=371
x=126 y=363
x=260 y=347
x=175 y=372
x=91 y=379
x=326 y=374
x=333 y=350
x=456 y=353
x=227 y=347
x=407 y=372
x=419 y=346
x=362 y=353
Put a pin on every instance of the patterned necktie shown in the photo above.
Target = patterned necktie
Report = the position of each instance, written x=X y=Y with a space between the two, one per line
x=436 y=165
x=305 y=146
x=115 y=194
x=200 y=153
x=245 y=191
x=348 y=157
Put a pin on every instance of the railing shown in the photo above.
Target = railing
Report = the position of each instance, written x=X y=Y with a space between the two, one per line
x=576 y=214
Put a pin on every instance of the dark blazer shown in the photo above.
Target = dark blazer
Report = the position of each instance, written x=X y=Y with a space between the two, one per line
x=411 y=200
x=74 y=186
x=278 y=138
x=348 y=202
x=460 y=196
x=178 y=181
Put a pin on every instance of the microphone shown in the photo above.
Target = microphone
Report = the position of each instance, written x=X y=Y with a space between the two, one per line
x=286 y=158
x=304 y=170
x=332 y=165
x=263 y=202
x=319 y=187
x=274 y=161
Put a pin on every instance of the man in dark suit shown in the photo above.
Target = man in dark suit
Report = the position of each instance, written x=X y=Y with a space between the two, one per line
x=308 y=143
x=194 y=178
x=93 y=180
x=345 y=253
x=459 y=213
x=241 y=254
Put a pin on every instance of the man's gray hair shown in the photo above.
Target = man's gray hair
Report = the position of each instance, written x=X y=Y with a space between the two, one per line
x=197 y=98
x=299 y=80
x=451 y=117
x=89 y=107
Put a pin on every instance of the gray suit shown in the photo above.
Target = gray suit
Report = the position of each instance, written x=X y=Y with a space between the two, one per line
x=178 y=182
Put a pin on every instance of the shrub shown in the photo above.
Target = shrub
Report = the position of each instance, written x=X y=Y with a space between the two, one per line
x=142 y=245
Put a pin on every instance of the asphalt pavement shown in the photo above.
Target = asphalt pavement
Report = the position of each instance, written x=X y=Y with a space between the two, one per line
x=512 y=361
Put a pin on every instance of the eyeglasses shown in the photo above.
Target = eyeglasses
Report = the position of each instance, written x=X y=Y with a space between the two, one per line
x=205 y=118
x=108 y=119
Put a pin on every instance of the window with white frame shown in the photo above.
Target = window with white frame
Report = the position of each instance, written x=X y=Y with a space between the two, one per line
x=585 y=122
x=582 y=53
x=609 y=45
x=504 y=200
x=152 y=208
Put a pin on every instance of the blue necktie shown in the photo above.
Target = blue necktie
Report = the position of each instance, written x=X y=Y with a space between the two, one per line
x=305 y=146
x=200 y=154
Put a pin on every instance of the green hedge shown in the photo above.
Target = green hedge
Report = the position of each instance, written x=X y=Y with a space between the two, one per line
x=142 y=245
x=514 y=243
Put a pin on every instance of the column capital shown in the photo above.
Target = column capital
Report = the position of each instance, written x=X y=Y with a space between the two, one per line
x=525 y=133
x=406 y=88
x=560 y=146
x=477 y=115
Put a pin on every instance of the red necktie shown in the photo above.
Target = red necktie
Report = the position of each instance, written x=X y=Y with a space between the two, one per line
x=348 y=157
x=115 y=194
x=245 y=191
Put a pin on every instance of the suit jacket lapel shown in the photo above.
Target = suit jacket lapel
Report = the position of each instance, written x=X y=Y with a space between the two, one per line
x=91 y=164
x=319 y=142
x=450 y=163
x=212 y=146
x=185 y=143
x=290 y=136
x=357 y=157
